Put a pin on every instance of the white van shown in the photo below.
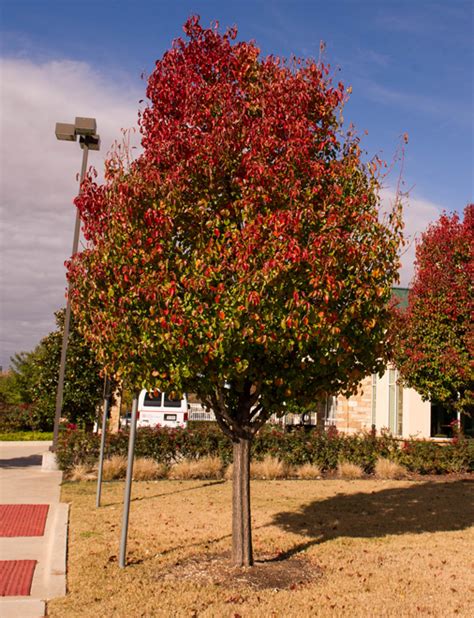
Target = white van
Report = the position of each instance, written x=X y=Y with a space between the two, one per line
x=161 y=411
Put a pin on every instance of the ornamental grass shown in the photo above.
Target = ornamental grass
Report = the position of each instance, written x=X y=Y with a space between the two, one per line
x=387 y=469
x=307 y=472
x=147 y=469
x=349 y=471
x=270 y=469
x=202 y=468
x=82 y=472
x=114 y=468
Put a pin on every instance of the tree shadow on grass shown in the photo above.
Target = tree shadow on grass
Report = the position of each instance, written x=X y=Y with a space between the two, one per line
x=166 y=493
x=423 y=507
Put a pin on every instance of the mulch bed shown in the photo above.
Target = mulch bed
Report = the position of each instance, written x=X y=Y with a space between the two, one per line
x=271 y=572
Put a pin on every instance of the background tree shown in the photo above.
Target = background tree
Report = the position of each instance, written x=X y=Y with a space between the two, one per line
x=16 y=407
x=436 y=336
x=34 y=377
x=241 y=256
x=15 y=384
x=83 y=383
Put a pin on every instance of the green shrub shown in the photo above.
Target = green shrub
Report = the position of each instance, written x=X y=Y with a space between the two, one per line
x=324 y=449
x=76 y=447
x=426 y=457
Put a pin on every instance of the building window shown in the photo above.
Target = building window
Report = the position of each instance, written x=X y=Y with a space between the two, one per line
x=399 y=409
x=330 y=411
x=395 y=403
x=374 y=398
x=442 y=420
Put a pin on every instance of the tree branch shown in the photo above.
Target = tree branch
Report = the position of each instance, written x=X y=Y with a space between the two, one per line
x=256 y=425
x=225 y=428
x=256 y=411
x=222 y=416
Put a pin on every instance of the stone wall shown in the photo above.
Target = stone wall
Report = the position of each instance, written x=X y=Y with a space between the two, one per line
x=355 y=414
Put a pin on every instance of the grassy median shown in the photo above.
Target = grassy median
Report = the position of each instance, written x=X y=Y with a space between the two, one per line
x=322 y=547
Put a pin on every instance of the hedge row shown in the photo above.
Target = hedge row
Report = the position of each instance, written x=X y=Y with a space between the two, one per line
x=322 y=448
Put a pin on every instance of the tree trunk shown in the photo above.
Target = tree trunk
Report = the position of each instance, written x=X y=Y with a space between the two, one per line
x=242 y=553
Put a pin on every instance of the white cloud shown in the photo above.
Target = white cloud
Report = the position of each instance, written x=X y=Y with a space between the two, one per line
x=418 y=213
x=38 y=183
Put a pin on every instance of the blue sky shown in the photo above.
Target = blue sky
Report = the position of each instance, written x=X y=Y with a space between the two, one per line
x=410 y=65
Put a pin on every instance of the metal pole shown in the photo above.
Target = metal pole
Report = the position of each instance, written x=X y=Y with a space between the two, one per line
x=128 y=485
x=105 y=415
x=67 y=317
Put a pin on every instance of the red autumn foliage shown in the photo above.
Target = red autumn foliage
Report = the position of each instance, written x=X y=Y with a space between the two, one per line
x=436 y=336
x=241 y=256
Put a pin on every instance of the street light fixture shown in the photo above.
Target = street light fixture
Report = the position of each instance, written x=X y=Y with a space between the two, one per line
x=86 y=130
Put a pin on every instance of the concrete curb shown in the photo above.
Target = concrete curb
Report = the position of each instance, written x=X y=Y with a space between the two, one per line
x=49 y=461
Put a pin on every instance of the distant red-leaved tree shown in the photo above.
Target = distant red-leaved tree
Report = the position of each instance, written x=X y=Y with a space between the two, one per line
x=241 y=256
x=435 y=352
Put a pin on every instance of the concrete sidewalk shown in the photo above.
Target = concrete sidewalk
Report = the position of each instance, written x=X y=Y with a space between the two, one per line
x=23 y=481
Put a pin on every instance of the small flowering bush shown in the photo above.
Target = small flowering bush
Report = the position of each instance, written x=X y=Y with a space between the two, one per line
x=324 y=449
x=428 y=457
x=17 y=417
x=77 y=448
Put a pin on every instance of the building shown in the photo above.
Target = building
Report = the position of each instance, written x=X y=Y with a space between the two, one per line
x=383 y=403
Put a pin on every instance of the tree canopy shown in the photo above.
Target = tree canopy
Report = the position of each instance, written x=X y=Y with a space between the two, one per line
x=242 y=256
x=436 y=336
x=34 y=378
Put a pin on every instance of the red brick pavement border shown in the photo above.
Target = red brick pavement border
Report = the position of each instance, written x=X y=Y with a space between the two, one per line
x=16 y=577
x=23 y=519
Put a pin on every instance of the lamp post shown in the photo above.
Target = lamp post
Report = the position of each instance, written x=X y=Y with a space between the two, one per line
x=86 y=130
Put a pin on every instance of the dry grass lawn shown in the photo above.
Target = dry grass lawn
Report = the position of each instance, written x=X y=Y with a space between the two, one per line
x=357 y=548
